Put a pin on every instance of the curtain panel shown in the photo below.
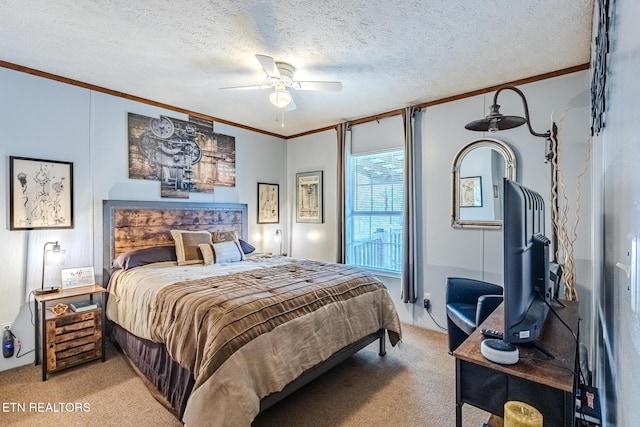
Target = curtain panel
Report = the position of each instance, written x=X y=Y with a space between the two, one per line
x=342 y=129
x=409 y=265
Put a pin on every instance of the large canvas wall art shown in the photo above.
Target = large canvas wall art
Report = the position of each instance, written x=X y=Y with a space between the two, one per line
x=185 y=156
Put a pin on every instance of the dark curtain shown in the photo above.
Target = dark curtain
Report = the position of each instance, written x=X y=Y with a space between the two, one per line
x=409 y=266
x=342 y=130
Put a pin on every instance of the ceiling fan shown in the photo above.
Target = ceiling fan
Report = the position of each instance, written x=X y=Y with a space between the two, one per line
x=280 y=78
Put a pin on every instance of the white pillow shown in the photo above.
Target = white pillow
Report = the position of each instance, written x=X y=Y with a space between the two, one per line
x=227 y=252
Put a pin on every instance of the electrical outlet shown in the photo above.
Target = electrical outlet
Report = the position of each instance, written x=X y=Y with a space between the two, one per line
x=4 y=325
x=427 y=301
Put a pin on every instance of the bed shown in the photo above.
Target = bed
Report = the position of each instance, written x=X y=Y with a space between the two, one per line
x=219 y=334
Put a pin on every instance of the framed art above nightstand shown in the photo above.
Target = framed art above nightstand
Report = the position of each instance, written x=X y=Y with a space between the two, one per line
x=268 y=203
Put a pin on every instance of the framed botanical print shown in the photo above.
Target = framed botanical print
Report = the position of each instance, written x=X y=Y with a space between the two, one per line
x=268 y=203
x=309 y=203
x=40 y=194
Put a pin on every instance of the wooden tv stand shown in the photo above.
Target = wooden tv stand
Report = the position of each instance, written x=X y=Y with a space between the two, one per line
x=545 y=383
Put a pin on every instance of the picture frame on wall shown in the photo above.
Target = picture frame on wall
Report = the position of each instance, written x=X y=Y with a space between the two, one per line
x=40 y=194
x=309 y=197
x=471 y=192
x=268 y=203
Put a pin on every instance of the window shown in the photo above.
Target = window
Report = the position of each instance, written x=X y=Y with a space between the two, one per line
x=375 y=205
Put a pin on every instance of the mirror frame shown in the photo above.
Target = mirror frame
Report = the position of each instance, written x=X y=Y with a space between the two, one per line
x=510 y=172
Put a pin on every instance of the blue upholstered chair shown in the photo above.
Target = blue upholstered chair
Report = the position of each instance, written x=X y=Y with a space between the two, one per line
x=469 y=303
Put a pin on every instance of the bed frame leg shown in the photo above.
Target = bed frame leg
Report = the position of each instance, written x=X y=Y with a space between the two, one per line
x=383 y=344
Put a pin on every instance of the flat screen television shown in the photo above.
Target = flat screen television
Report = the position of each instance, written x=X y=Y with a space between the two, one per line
x=528 y=288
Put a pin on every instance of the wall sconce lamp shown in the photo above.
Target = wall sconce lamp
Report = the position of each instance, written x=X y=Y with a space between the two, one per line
x=278 y=238
x=56 y=256
x=496 y=121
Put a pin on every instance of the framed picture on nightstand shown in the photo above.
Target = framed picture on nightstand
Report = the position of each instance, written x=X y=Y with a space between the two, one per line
x=79 y=276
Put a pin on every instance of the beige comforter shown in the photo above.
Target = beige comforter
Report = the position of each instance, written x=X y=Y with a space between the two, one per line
x=248 y=329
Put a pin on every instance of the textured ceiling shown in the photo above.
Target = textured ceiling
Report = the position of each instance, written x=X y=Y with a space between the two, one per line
x=388 y=54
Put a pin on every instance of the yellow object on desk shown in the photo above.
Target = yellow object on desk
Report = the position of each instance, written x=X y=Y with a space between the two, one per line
x=59 y=309
x=520 y=414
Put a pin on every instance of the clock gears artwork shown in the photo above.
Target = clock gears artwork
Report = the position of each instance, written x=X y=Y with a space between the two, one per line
x=185 y=156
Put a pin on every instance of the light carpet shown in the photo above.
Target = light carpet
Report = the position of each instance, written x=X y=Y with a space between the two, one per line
x=413 y=385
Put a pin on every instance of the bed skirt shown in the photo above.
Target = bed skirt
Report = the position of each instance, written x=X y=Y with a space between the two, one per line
x=170 y=383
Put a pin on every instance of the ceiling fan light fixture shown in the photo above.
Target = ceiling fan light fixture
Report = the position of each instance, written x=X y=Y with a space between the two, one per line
x=280 y=98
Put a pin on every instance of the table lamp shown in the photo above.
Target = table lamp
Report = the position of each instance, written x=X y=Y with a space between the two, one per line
x=278 y=238
x=53 y=255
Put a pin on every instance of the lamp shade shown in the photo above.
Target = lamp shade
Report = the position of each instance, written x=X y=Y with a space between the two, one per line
x=496 y=121
x=278 y=238
x=280 y=98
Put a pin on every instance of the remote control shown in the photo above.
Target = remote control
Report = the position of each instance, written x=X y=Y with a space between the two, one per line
x=492 y=333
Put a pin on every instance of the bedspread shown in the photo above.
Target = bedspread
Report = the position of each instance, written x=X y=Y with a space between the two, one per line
x=247 y=334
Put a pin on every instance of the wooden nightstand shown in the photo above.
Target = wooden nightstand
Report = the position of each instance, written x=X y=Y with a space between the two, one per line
x=73 y=337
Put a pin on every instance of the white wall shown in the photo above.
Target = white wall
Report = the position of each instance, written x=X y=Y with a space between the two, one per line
x=617 y=159
x=442 y=250
x=315 y=152
x=477 y=253
x=45 y=119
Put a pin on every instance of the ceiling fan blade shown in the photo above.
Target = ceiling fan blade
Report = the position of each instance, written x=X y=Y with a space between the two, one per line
x=269 y=66
x=247 y=87
x=320 y=85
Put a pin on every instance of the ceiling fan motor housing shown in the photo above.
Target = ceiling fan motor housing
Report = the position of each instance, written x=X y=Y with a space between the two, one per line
x=286 y=72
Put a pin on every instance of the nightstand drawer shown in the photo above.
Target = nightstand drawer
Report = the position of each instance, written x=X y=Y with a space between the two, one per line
x=73 y=338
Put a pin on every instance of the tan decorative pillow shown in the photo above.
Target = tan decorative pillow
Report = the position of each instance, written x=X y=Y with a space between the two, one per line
x=207 y=253
x=224 y=236
x=187 y=249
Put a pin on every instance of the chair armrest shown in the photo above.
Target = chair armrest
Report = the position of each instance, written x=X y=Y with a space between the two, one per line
x=461 y=289
x=487 y=305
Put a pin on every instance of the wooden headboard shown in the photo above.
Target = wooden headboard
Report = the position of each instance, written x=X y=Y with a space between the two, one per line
x=129 y=225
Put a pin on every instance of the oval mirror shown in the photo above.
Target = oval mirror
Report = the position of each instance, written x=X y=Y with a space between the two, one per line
x=478 y=170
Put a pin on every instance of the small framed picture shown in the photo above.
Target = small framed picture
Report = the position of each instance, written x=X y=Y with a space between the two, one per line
x=41 y=194
x=268 y=203
x=471 y=192
x=309 y=197
x=79 y=276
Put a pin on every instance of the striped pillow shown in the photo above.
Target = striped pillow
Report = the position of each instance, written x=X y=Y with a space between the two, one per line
x=227 y=252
